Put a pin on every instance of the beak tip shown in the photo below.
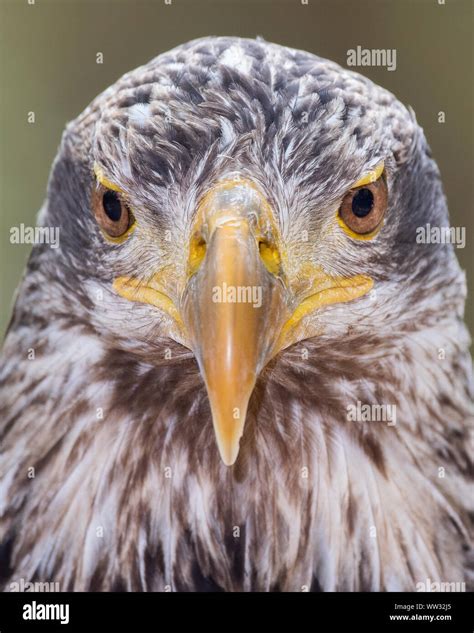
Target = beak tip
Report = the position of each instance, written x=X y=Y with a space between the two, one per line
x=230 y=462
x=229 y=452
x=229 y=444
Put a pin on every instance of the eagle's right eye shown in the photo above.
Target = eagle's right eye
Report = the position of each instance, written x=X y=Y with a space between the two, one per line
x=363 y=208
x=111 y=213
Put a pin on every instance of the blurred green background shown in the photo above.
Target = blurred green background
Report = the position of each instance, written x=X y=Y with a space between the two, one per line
x=48 y=65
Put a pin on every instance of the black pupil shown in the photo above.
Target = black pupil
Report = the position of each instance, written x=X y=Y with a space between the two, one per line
x=112 y=206
x=362 y=203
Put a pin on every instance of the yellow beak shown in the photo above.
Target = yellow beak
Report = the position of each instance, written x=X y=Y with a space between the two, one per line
x=234 y=306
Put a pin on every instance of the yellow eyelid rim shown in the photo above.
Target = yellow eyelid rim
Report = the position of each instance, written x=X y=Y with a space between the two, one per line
x=357 y=236
x=371 y=176
x=120 y=238
x=103 y=180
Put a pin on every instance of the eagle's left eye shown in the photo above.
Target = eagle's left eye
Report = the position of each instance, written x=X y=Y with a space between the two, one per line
x=363 y=208
x=111 y=212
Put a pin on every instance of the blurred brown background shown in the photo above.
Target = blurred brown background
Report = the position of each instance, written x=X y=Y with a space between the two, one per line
x=48 y=65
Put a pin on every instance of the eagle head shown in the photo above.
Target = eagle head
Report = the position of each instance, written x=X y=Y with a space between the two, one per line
x=238 y=272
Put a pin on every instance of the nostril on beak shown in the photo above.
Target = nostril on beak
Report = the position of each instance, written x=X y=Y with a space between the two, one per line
x=270 y=256
x=197 y=252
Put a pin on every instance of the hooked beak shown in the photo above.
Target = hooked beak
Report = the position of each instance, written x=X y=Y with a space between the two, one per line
x=235 y=303
x=237 y=311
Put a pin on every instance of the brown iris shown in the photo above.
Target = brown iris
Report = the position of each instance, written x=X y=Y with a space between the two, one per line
x=112 y=214
x=362 y=209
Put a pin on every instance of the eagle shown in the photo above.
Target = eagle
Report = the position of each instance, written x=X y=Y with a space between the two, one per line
x=240 y=369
